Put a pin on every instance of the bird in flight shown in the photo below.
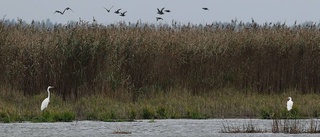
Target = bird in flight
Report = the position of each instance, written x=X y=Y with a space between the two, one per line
x=123 y=14
x=108 y=10
x=159 y=18
x=204 y=8
x=160 y=12
x=167 y=10
x=67 y=8
x=117 y=11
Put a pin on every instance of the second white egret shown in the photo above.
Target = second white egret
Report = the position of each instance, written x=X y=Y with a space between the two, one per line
x=289 y=104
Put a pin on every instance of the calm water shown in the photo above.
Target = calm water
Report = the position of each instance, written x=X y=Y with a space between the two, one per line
x=168 y=127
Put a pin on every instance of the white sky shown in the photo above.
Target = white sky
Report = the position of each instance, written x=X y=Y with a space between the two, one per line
x=183 y=11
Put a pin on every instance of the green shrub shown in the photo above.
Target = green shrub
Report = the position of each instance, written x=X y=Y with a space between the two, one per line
x=108 y=116
x=91 y=116
x=132 y=114
x=65 y=116
x=292 y=114
x=195 y=115
x=147 y=113
x=266 y=114
x=45 y=116
x=161 y=113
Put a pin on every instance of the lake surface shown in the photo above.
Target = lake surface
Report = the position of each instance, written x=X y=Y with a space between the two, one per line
x=141 y=128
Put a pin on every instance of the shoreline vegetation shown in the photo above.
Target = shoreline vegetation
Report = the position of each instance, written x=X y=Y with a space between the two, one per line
x=158 y=105
x=288 y=126
x=121 y=72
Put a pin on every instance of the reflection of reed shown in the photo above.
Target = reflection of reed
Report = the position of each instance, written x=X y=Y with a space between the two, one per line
x=249 y=127
x=294 y=126
x=290 y=126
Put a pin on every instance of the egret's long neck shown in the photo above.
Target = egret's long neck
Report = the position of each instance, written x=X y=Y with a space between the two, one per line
x=48 y=92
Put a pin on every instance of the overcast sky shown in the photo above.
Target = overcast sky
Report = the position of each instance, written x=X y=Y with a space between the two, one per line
x=183 y=11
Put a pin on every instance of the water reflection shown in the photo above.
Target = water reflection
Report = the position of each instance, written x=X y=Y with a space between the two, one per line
x=167 y=127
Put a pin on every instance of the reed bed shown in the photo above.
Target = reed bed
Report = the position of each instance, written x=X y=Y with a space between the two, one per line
x=278 y=126
x=91 y=63
x=249 y=127
x=177 y=103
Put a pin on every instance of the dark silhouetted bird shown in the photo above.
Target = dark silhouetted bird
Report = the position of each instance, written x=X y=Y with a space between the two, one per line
x=167 y=10
x=67 y=8
x=108 y=10
x=117 y=11
x=159 y=18
x=204 y=8
x=160 y=12
x=123 y=14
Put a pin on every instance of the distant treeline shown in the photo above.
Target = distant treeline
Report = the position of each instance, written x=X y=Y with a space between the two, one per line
x=94 y=59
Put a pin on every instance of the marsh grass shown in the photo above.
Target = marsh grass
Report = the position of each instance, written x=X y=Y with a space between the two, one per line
x=249 y=127
x=177 y=103
x=295 y=126
x=288 y=126
x=268 y=113
x=48 y=116
x=123 y=72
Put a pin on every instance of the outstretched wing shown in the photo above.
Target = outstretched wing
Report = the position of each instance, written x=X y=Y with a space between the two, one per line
x=68 y=8
x=106 y=9
x=58 y=12
x=111 y=7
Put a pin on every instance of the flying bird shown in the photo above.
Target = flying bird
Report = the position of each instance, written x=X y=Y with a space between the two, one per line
x=117 y=11
x=123 y=14
x=289 y=104
x=108 y=10
x=160 y=12
x=159 y=18
x=204 y=8
x=67 y=8
x=167 y=10
x=46 y=101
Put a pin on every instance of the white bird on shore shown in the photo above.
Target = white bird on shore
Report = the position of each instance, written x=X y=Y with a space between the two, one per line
x=46 y=101
x=289 y=104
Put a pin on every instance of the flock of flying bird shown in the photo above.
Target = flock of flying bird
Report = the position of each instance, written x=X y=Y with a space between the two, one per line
x=122 y=14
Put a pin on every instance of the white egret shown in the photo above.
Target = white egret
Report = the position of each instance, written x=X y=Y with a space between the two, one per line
x=46 y=101
x=289 y=104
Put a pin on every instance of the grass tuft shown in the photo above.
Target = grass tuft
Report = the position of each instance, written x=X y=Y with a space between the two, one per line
x=245 y=128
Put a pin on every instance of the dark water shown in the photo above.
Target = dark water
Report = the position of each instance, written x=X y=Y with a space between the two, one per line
x=143 y=128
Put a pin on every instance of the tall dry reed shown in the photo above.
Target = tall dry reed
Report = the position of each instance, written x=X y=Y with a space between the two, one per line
x=89 y=59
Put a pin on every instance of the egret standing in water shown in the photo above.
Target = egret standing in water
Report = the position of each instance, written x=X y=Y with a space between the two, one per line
x=289 y=104
x=46 y=101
